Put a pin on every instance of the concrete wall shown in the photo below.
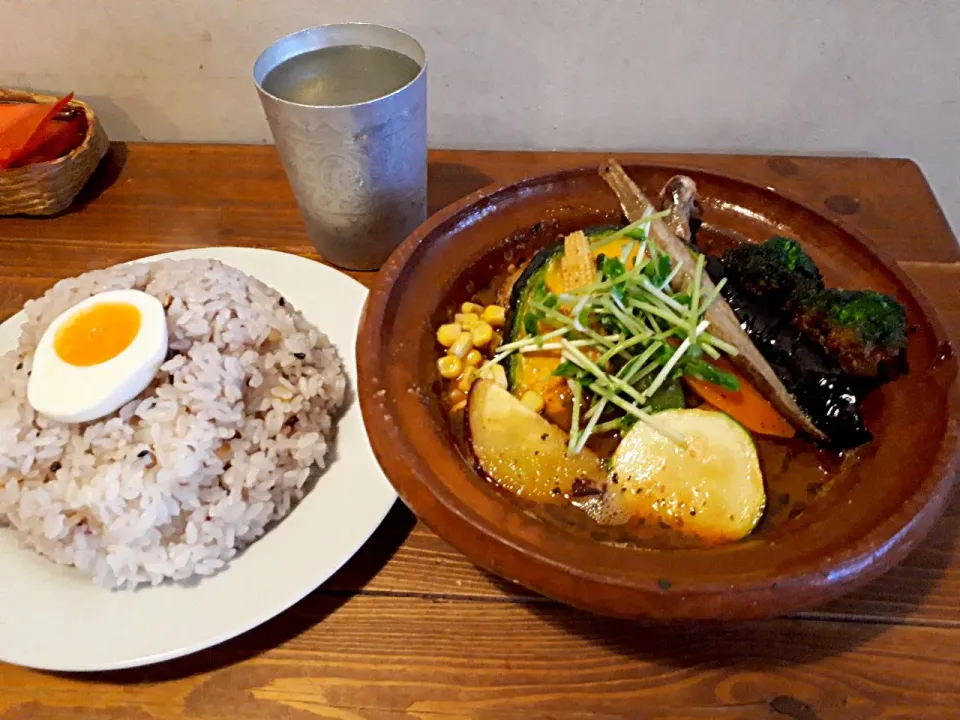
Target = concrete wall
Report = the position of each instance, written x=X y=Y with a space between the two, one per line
x=809 y=76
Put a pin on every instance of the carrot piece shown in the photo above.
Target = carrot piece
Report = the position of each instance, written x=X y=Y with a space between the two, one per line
x=747 y=405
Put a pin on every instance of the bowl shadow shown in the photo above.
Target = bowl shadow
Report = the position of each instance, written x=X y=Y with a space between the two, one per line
x=103 y=178
x=448 y=182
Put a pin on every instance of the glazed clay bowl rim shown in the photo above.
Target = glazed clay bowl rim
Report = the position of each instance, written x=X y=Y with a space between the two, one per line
x=414 y=458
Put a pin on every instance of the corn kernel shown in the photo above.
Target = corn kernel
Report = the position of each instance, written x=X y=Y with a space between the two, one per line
x=467 y=320
x=467 y=378
x=449 y=366
x=459 y=406
x=495 y=342
x=447 y=334
x=456 y=396
x=474 y=358
x=482 y=334
x=472 y=308
x=532 y=400
x=495 y=315
x=462 y=346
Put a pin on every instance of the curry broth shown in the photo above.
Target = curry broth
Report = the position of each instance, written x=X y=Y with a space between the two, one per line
x=798 y=475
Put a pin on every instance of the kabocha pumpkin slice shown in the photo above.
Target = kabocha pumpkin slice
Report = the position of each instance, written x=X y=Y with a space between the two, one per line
x=522 y=452
x=545 y=273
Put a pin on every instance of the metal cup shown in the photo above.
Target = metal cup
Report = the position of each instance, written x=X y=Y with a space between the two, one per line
x=358 y=172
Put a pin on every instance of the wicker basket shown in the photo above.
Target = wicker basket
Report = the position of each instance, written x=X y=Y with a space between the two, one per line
x=49 y=188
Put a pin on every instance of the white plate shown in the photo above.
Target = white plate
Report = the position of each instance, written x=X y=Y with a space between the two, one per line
x=53 y=618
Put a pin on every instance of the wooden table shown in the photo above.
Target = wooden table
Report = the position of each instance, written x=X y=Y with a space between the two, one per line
x=409 y=628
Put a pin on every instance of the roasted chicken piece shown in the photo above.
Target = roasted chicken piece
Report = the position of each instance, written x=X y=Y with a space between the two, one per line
x=679 y=196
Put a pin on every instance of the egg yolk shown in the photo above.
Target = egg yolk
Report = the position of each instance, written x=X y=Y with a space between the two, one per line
x=97 y=334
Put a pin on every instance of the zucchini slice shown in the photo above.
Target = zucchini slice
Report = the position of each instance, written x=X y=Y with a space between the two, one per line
x=712 y=489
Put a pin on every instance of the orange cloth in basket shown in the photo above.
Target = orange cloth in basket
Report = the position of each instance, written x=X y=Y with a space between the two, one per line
x=23 y=128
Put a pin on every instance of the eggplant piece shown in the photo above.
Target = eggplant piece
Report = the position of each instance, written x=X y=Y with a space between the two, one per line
x=864 y=330
x=824 y=392
x=723 y=321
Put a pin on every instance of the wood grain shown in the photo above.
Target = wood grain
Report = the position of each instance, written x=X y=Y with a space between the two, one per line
x=393 y=657
x=410 y=629
x=924 y=590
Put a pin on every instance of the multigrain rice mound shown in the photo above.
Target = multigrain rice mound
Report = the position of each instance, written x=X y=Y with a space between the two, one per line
x=179 y=479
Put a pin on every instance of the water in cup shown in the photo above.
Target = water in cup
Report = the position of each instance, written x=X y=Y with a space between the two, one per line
x=341 y=75
x=347 y=106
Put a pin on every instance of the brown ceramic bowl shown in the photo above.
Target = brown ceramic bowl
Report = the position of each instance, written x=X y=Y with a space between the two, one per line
x=871 y=521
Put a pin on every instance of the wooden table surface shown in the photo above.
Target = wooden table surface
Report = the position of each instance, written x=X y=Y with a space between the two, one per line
x=409 y=628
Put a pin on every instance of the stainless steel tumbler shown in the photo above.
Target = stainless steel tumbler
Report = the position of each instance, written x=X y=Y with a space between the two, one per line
x=358 y=172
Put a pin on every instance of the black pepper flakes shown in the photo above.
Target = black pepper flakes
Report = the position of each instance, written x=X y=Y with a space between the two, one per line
x=143 y=453
x=693 y=512
x=544 y=436
x=584 y=488
x=55 y=466
x=283 y=301
x=300 y=356
x=556 y=491
x=614 y=479
x=20 y=366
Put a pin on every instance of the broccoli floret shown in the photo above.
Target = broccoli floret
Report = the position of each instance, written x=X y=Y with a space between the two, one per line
x=865 y=330
x=876 y=318
x=778 y=270
x=793 y=256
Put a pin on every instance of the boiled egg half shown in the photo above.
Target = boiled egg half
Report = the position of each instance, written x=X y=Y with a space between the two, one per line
x=98 y=355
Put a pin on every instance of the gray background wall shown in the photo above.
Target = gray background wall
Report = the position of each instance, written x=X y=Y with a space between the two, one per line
x=807 y=76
